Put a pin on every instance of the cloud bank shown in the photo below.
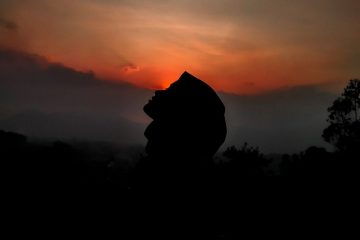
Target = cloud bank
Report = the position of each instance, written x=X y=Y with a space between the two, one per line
x=48 y=100
x=9 y=25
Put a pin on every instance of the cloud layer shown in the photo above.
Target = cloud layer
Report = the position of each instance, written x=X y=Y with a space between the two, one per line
x=231 y=43
x=8 y=25
x=49 y=100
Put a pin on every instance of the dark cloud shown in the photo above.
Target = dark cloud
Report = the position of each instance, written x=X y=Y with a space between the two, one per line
x=49 y=100
x=9 y=25
x=249 y=84
x=130 y=68
x=43 y=99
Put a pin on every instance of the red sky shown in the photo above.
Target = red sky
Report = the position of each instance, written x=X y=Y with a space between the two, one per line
x=238 y=46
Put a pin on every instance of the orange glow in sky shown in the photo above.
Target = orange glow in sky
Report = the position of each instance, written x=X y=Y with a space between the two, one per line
x=238 y=46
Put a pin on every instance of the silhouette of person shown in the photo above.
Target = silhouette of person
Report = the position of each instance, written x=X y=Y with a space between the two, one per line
x=188 y=128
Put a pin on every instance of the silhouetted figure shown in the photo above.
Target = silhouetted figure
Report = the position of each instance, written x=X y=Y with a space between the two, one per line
x=188 y=128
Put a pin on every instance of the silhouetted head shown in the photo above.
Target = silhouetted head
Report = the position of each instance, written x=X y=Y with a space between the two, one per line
x=188 y=120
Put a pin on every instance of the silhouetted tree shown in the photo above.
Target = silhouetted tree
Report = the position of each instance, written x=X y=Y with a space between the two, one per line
x=56 y=163
x=313 y=162
x=344 y=129
x=246 y=161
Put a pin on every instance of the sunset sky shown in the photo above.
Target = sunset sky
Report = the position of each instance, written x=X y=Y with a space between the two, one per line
x=237 y=46
x=65 y=66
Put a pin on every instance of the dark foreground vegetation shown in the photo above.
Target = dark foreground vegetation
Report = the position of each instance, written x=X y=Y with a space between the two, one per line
x=25 y=162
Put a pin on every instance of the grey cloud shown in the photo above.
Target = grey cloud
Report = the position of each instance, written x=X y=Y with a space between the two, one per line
x=43 y=99
x=129 y=67
x=7 y=24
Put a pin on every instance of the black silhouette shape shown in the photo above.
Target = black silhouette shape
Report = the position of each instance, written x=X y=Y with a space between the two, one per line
x=188 y=119
x=344 y=121
x=188 y=128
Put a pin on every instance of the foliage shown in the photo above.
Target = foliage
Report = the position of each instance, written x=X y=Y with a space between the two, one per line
x=246 y=161
x=344 y=123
